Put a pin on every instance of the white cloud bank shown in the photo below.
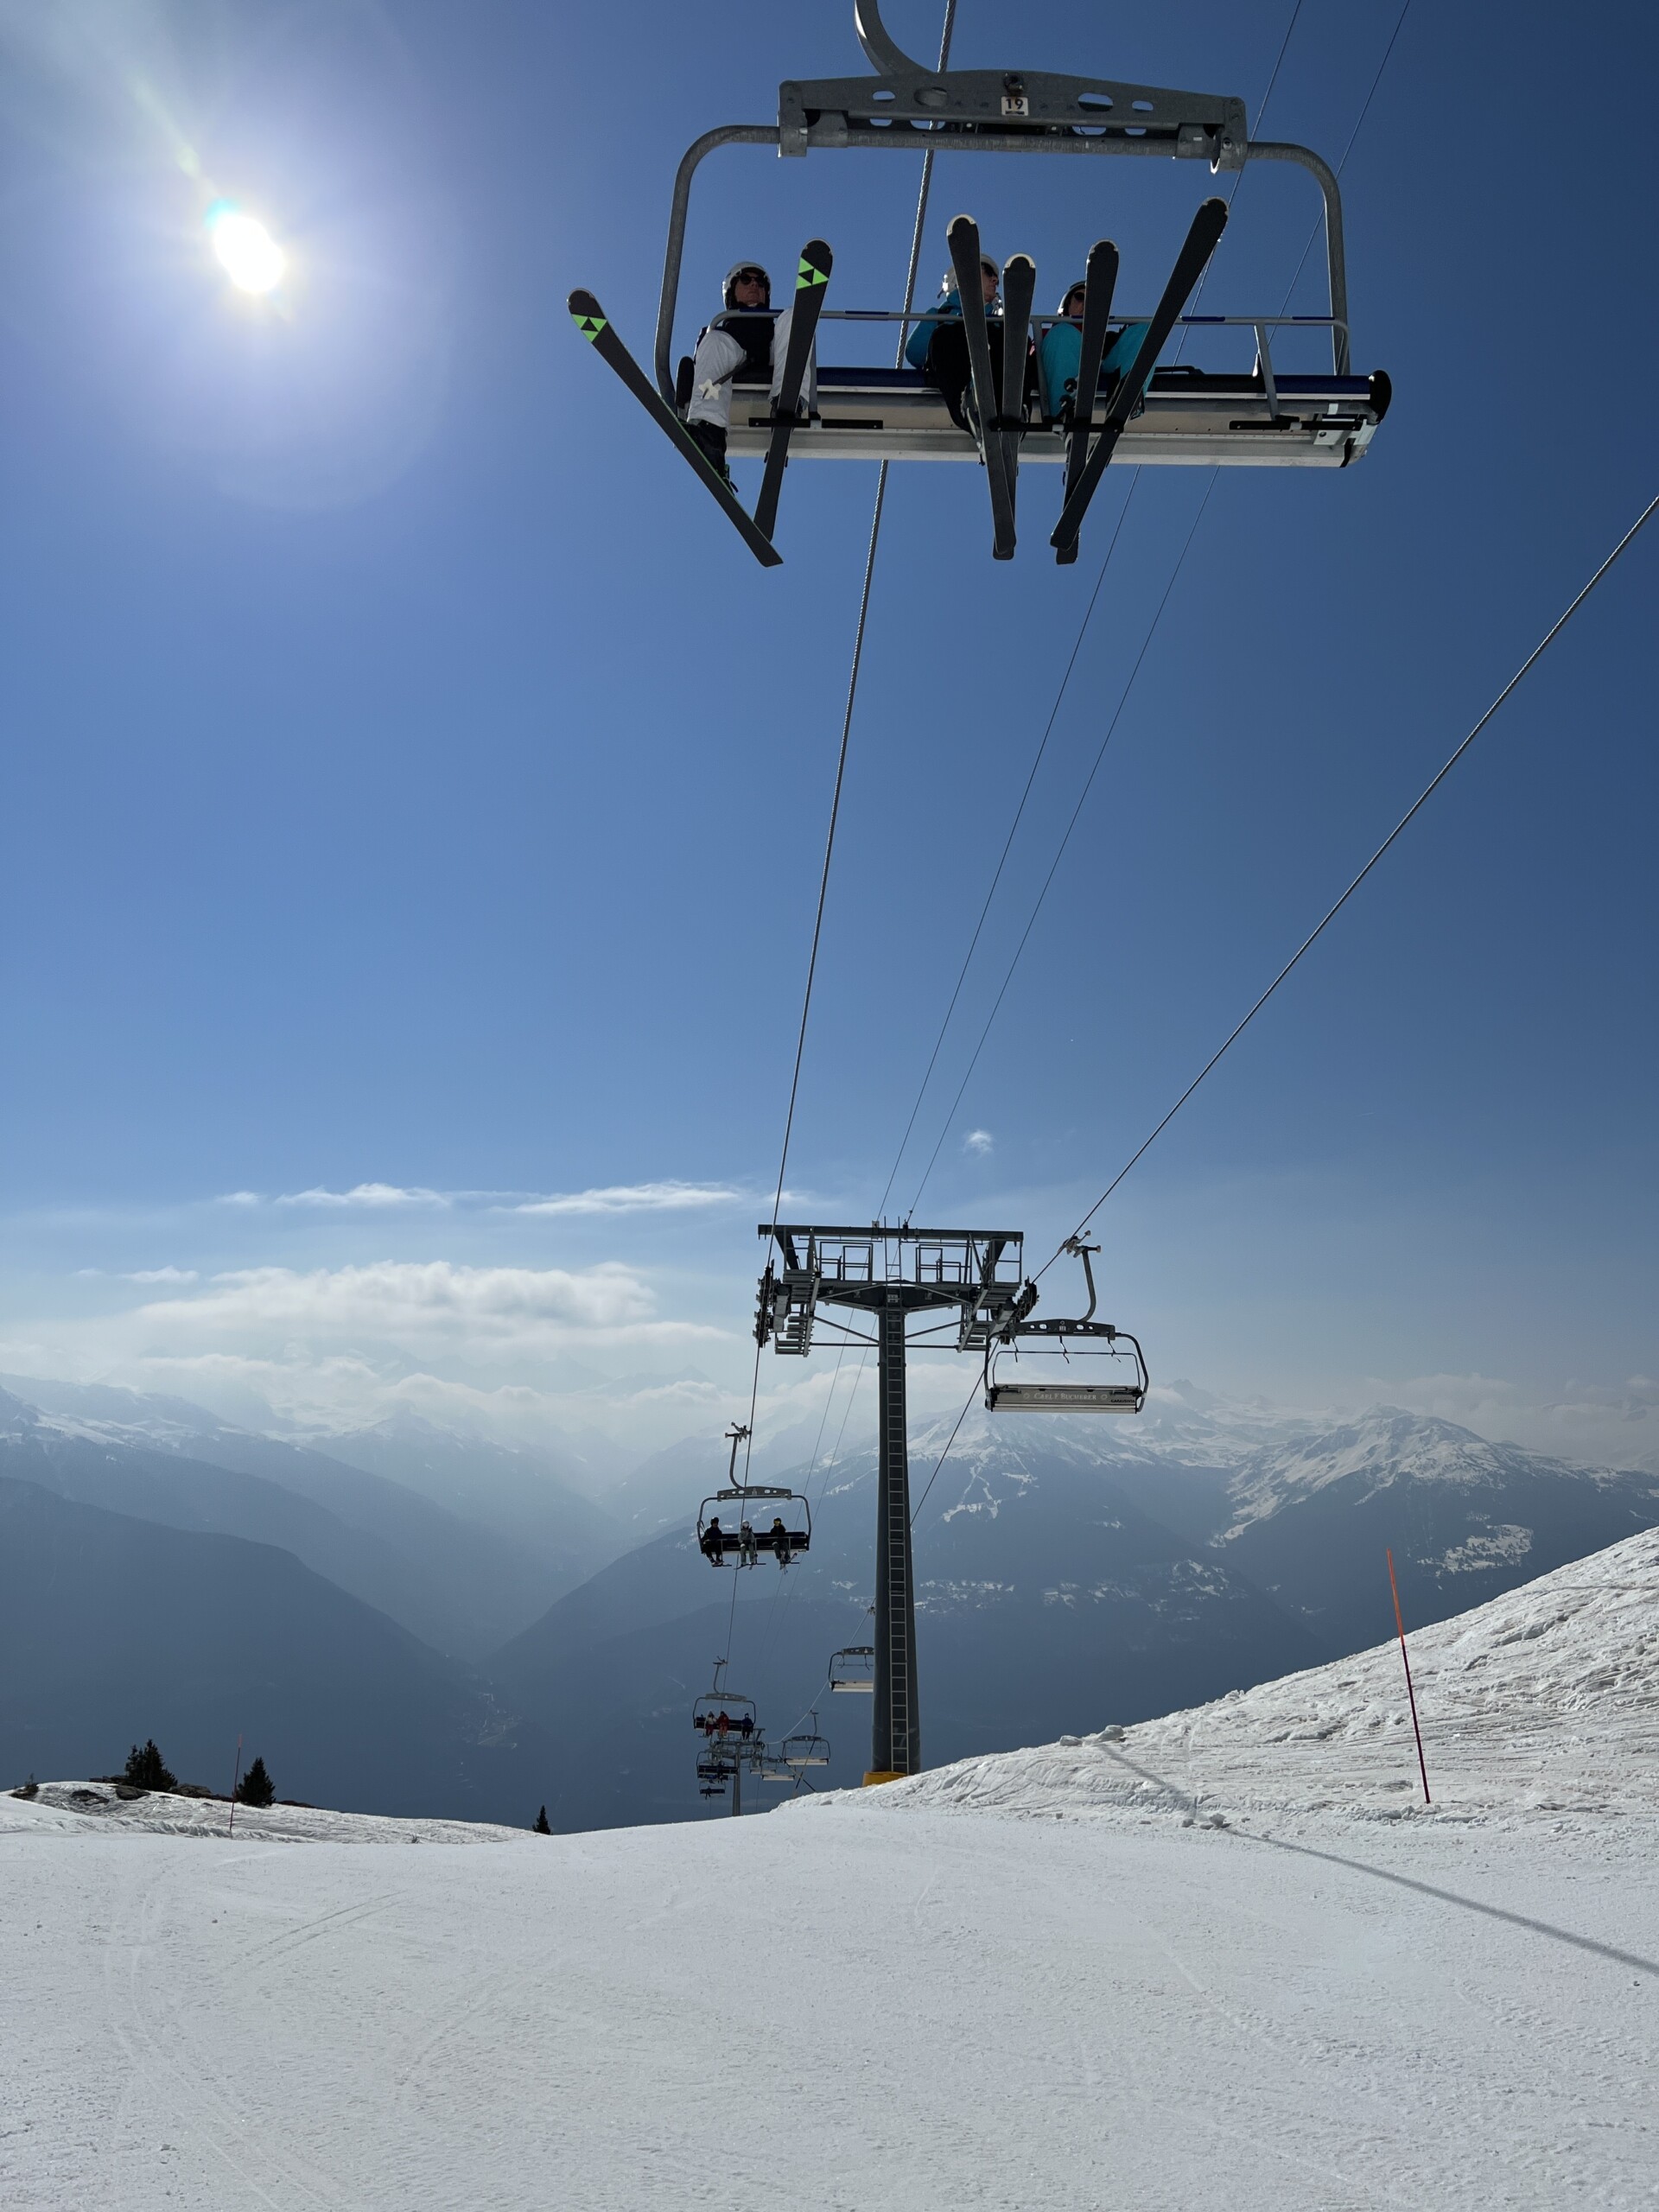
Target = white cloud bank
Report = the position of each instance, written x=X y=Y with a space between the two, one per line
x=668 y=1197
x=373 y=1196
x=635 y=1197
x=979 y=1141
x=478 y=1311
x=334 y=1346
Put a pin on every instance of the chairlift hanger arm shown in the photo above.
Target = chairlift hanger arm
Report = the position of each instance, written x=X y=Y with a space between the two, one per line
x=952 y=100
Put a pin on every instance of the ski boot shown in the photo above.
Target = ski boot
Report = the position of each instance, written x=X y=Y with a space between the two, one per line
x=710 y=439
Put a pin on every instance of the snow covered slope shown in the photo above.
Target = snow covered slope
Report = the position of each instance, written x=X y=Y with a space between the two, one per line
x=905 y=1996
x=1541 y=1702
x=89 y=1807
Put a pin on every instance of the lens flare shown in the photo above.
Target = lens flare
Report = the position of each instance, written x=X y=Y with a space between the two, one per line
x=251 y=258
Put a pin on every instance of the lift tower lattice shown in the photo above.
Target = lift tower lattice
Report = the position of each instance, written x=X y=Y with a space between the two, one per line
x=976 y=1274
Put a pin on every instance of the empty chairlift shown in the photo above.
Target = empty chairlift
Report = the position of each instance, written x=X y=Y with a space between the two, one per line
x=807 y=1748
x=854 y=1668
x=1064 y=1365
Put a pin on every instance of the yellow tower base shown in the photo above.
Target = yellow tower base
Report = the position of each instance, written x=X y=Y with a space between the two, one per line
x=881 y=1774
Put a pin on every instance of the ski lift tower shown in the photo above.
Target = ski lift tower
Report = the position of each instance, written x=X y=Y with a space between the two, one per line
x=975 y=1275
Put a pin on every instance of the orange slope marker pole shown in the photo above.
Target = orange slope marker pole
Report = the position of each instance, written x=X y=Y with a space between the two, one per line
x=1410 y=1692
x=231 y=1829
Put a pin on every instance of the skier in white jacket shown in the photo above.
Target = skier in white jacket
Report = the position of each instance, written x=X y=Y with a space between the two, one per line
x=747 y=331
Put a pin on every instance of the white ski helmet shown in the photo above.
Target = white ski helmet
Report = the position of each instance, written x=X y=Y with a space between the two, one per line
x=735 y=271
x=947 y=282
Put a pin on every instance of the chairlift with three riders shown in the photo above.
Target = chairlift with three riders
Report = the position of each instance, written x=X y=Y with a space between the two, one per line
x=733 y=1540
x=1274 y=416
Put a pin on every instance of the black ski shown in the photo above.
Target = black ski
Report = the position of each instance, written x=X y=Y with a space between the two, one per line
x=1201 y=241
x=1019 y=288
x=591 y=321
x=1099 y=282
x=811 y=281
x=963 y=239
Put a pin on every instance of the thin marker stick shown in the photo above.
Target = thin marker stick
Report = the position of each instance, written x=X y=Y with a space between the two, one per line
x=1410 y=1692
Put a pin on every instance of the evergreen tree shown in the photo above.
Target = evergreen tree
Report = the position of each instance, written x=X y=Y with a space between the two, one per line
x=147 y=1767
x=255 y=1787
x=542 y=1829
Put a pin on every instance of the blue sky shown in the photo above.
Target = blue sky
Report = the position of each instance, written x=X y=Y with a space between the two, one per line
x=410 y=783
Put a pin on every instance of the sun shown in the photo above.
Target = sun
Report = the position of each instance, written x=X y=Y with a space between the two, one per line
x=251 y=257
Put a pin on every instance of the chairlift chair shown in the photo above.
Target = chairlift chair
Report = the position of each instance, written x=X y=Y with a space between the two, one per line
x=1084 y=1365
x=854 y=1668
x=707 y=1712
x=1275 y=414
x=733 y=1529
x=806 y=1749
x=715 y=1771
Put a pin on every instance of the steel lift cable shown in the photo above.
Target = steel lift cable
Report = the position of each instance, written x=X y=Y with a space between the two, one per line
x=1077 y=647
x=1066 y=839
x=1313 y=234
x=1365 y=109
x=833 y=1461
x=1329 y=916
x=1232 y=194
x=946 y=35
x=811 y=1469
x=1331 y=912
x=852 y=687
x=1007 y=846
x=973 y=1392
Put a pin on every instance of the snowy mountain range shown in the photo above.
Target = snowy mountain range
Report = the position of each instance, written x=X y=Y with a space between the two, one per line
x=1063 y=1564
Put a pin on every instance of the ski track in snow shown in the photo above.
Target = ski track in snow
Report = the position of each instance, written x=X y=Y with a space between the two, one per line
x=1219 y=1959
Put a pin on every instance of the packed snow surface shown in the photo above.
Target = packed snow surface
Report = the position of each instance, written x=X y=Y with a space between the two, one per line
x=1543 y=1701
x=1211 y=1961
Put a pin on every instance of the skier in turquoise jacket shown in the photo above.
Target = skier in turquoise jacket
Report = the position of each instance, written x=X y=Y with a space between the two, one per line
x=939 y=345
x=1062 y=344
